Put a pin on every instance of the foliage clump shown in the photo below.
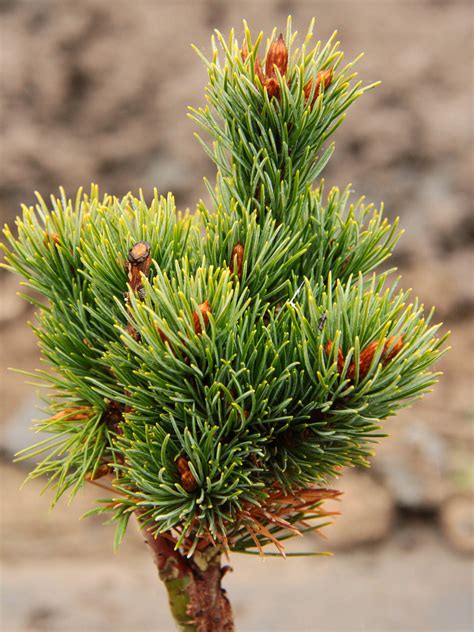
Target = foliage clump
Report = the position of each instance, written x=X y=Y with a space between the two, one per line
x=216 y=370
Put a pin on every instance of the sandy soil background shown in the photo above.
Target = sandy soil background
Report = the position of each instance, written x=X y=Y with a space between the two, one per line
x=97 y=91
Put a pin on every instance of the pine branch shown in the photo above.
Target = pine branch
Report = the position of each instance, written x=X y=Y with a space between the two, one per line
x=217 y=370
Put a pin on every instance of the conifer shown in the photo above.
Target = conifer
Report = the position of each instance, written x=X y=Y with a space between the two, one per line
x=216 y=370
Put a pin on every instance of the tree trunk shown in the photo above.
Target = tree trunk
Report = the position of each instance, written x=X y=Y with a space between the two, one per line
x=198 y=603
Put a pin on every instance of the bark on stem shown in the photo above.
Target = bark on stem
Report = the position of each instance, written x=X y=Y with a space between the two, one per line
x=197 y=601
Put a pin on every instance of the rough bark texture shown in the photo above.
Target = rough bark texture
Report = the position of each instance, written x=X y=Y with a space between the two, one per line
x=198 y=603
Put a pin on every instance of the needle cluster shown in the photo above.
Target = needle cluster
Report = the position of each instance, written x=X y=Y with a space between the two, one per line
x=216 y=370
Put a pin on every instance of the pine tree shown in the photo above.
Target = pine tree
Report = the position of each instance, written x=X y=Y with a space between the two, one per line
x=216 y=370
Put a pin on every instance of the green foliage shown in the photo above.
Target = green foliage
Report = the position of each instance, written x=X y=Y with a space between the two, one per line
x=221 y=384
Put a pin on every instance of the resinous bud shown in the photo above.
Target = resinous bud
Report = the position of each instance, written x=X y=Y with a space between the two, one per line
x=237 y=259
x=277 y=57
x=204 y=309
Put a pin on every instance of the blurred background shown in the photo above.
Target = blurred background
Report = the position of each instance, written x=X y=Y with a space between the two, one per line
x=97 y=91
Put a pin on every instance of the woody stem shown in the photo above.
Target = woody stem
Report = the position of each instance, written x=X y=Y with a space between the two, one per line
x=197 y=601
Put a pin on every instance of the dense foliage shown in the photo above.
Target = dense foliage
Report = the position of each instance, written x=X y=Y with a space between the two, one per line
x=218 y=369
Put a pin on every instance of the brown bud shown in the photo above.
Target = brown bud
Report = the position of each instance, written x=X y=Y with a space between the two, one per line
x=237 y=260
x=367 y=355
x=396 y=348
x=187 y=479
x=273 y=87
x=163 y=336
x=258 y=70
x=99 y=472
x=139 y=262
x=53 y=237
x=205 y=310
x=324 y=78
x=365 y=360
x=340 y=356
x=133 y=332
x=139 y=253
x=277 y=56
x=113 y=416
x=74 y=414
x=244 y=51
x=87 y=343
x=307 y=91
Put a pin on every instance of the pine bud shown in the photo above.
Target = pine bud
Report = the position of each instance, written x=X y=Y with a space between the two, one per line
x=139 y=253
x=324 y=78
x=187 y=479
x=133 y=332
x=244 y=51
x=258 y=70
x=307 y=91
x=277 y=56
x=113 y=416
x=340 y=356
x=272 y=87
x=205 y=310
x=99 y=472
x=366 y=357
x=365 y=360
x=237 y=260
x=139 y=262
x=396 y=348
x=74 y=414
x=163 y=336
x=53 y=237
